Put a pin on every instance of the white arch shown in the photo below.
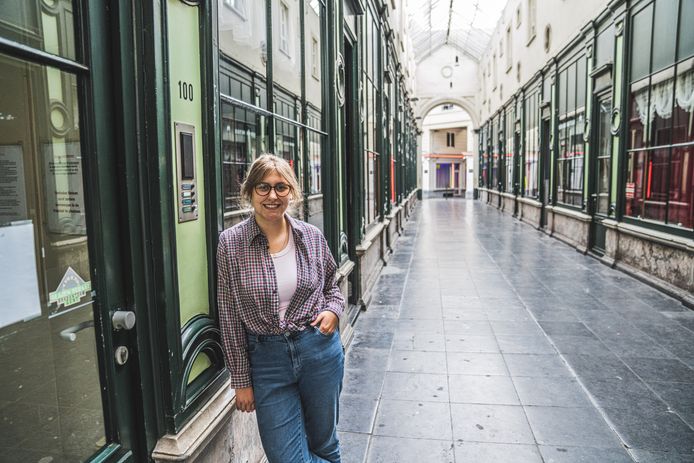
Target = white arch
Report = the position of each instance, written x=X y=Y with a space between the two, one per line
x=467 y=105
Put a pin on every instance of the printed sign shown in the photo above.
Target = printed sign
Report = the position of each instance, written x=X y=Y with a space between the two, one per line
x=13 y=205
x=630 y=190
x=64 y=188
x=71 y=289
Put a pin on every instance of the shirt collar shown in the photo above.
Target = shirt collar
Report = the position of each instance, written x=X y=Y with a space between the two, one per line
x=253 y=230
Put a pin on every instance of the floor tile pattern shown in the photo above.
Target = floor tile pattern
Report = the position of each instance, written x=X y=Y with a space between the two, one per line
x=488 y=341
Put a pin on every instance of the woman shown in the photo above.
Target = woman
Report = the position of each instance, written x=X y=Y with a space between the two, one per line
x=279 y=309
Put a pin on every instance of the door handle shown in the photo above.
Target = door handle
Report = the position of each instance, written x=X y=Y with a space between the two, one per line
x=123 y=320
x=70 y=334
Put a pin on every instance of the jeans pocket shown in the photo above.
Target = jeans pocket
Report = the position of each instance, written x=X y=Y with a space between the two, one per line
x=323 y=334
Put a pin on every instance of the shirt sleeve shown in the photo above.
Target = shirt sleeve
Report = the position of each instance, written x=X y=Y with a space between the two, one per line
x=233 y=333
x=334 y=301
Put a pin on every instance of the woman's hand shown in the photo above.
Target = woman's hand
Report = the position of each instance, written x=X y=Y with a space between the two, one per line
x=244 y=399
x=326 y=321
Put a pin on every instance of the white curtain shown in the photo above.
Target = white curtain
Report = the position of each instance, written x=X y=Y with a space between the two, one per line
x=661 y=99
x=660 y=104
x=684 y=94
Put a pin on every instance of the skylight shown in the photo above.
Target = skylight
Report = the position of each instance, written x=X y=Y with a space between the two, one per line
x=464 y=24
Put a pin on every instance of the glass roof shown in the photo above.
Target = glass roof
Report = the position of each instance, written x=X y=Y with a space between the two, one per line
x=463 y=24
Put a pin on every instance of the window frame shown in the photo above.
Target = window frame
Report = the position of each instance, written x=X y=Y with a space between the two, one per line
x=284 y=18
x=638 y=178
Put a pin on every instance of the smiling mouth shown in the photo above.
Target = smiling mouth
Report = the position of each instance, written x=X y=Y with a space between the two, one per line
x=272 y=206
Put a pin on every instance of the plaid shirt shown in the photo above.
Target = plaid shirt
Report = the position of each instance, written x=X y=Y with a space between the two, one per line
x=247 y=289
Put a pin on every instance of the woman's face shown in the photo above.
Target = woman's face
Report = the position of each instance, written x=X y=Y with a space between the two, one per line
x=271 y=207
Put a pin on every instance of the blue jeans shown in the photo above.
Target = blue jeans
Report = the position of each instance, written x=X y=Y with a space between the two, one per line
x=297 y=379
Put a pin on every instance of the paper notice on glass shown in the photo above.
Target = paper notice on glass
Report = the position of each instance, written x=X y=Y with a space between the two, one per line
x=19 y=295
x=13 y=204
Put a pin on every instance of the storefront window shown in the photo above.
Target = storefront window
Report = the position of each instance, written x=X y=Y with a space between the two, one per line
x=660 y=175
x=245 y=132
x=50 y=408
x=240 y=147
x=532 y=143
x=510 y=150
x=570 y=157
x=286 y=43
x=371 y=85
x=494 y=145
x=242 y=33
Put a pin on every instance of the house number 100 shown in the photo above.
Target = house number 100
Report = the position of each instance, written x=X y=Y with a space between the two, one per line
x=185 y=91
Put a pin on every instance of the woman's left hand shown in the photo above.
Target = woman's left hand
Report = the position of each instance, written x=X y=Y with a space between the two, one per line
x=326 y=321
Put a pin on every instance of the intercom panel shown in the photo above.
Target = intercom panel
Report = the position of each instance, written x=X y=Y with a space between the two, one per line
x=187 y=198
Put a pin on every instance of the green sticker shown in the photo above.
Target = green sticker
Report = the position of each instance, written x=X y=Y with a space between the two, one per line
x=71 y=289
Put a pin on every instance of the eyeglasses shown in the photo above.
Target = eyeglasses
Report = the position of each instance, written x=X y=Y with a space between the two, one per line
x=281 y=189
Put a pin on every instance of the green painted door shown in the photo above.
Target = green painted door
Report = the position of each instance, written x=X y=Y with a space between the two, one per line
x=601 y=172
x=67 y=373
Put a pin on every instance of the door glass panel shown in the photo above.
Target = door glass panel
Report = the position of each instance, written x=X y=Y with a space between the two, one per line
x=604 y=157
x=47 y=25
x=50 y=395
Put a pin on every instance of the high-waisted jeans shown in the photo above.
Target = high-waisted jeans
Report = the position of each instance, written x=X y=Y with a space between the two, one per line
x=297 y=379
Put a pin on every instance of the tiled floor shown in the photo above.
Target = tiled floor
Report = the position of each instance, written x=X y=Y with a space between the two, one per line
x=488 y=341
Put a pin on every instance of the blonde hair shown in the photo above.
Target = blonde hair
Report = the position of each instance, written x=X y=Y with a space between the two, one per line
x=263 y=166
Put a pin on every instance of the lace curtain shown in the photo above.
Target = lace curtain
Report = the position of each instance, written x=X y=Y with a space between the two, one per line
x=661 y=100
x=684 y=94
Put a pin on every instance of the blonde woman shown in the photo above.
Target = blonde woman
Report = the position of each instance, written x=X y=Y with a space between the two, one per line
x=279 y=308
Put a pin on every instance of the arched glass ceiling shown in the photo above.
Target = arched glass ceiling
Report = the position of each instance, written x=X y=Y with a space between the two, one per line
x=464 y=24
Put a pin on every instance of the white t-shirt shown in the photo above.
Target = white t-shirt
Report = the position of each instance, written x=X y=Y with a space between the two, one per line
x=286 y=271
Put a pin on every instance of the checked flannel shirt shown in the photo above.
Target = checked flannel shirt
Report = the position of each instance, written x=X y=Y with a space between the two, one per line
x=247 y=295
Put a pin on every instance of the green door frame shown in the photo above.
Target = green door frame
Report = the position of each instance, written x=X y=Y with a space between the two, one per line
x=172 y=398
x=354 y=166
x=99 y=41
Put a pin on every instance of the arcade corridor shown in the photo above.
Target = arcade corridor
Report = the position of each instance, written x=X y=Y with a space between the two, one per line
x=488 y=341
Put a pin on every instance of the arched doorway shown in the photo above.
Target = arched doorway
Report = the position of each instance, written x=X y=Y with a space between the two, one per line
x=447 y=150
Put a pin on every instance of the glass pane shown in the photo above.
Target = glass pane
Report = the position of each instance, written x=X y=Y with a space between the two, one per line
x=655 y=187
x=604 y=156
x=681 y=202
x=315 y=148
x=315 y=212
x=242 y=32
x=683 y=130
x=562 y=92
x=571 y=89
x=581 y=83
x=50 y=395
x=639 y=114
x=45 y=25
x=312 y=23
x=286 y=44
x=243 y=137
x=664 y=40
x=508 y=158
x=636 y=174
x=641 y=43
x=661 y=105
x=604 y=49
x=686 y=39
